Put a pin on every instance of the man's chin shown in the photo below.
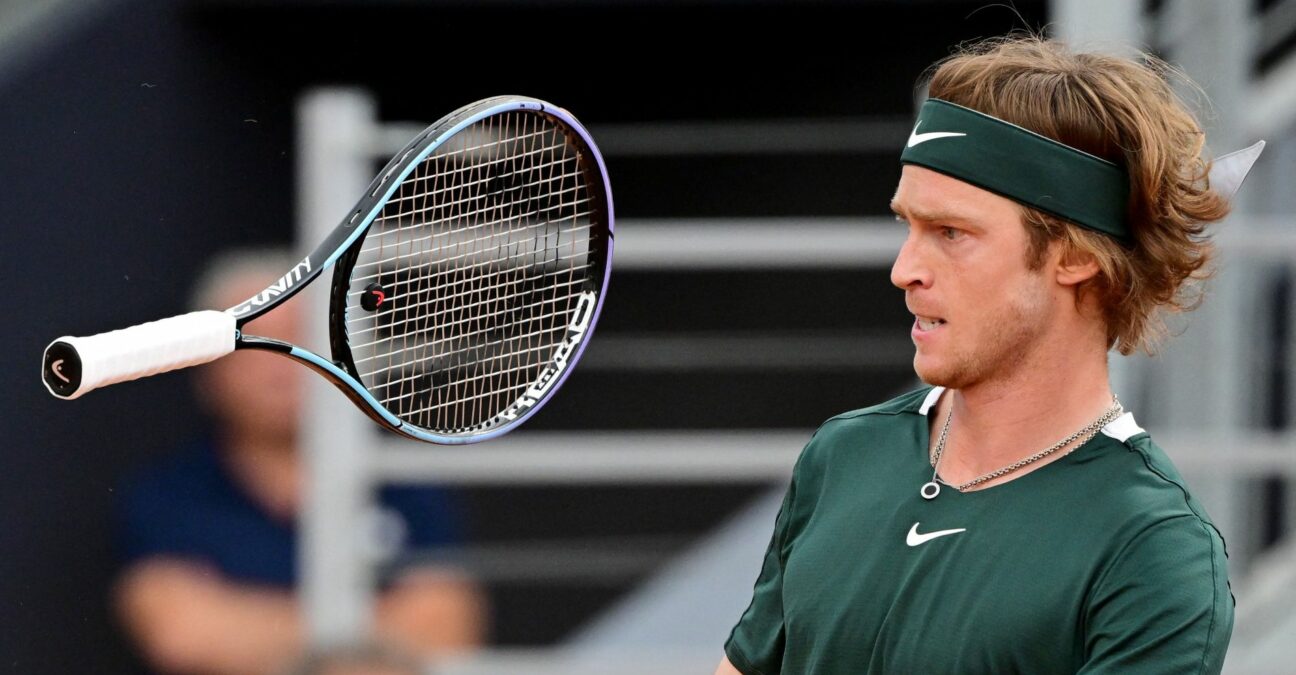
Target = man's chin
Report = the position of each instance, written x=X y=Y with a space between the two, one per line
x=937 y=374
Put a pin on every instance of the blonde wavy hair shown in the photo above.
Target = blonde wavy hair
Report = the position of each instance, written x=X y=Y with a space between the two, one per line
x=1125 y=111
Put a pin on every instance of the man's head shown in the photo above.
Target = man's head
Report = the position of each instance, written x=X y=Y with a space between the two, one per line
x=1016 y=265
x=251 y=393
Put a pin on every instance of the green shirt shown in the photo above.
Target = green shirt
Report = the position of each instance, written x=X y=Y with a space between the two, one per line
x=1099 y=562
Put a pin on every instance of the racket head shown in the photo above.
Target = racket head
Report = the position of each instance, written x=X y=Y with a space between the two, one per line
x=476 y=273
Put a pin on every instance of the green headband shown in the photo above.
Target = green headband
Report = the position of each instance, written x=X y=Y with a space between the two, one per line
x=1021 y=165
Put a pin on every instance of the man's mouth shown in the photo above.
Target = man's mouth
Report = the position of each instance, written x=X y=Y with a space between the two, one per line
x=929 y=323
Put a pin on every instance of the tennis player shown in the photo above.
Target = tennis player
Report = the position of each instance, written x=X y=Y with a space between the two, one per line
x=1012 y=517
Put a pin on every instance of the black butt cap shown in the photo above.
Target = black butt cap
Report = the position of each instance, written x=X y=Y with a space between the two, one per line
x=62 y=368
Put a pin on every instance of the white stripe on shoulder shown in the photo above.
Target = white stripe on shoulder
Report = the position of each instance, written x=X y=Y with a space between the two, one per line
x=1123 y=427
x=932 y=397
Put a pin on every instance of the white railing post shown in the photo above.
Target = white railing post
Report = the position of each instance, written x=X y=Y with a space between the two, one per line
x=333 y=165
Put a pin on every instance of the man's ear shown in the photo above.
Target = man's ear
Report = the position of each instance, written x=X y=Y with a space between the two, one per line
x=1076 y=268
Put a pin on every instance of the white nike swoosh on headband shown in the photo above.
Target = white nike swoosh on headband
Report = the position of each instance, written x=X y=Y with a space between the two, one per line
x=915 y=138
x=914 y=538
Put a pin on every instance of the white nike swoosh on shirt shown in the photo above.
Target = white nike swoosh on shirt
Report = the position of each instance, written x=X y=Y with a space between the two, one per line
x=915 y=138
x=915 y=539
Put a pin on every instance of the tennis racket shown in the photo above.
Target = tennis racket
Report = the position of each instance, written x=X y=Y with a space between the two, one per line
x=466 y=282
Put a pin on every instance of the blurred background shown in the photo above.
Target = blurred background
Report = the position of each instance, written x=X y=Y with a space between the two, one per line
x=752 y=149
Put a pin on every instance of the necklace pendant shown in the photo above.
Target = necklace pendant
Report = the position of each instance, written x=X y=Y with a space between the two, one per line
x=929 y=490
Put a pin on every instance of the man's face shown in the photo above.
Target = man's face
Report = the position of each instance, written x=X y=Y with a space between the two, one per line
x=257 y=392
x=978 y=308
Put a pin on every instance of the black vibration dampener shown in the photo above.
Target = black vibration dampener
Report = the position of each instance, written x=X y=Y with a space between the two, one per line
x=373 y=297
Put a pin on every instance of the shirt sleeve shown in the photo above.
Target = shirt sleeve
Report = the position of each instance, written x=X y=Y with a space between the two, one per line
x=1164 y=606
x=432 y=515
x=143 y=526
x=154 y=512
x=755 y=646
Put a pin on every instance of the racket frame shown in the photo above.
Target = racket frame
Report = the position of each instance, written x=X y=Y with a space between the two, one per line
x=341 y=246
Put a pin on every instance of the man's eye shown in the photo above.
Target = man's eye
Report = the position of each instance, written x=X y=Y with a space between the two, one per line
x=950 y=233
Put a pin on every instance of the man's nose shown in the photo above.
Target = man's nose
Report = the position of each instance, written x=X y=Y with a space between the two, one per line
x=909 y=269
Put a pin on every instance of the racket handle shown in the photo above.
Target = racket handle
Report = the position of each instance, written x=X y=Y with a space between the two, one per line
x=76 y=365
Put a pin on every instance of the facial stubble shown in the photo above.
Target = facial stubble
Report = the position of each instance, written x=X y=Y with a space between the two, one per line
x=1002 y=344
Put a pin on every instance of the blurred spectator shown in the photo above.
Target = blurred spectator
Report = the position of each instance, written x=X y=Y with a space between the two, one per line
x=209 y=537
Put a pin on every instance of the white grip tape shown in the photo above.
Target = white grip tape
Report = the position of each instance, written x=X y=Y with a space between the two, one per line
x=150 y=348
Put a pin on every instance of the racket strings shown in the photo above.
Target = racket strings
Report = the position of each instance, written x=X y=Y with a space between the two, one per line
x=484 y=340
x=497 y=179
x=446 y=320
x=540 y=276
x=480 y=254
x=411 y=253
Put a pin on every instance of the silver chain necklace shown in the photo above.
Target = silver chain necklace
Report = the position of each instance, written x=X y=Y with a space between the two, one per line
x=931 y=488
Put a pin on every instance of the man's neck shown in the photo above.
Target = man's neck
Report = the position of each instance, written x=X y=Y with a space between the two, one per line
x=1000 y=421
x=267 y=469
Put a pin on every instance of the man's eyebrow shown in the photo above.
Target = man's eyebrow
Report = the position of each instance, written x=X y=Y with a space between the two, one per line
x=929 y=216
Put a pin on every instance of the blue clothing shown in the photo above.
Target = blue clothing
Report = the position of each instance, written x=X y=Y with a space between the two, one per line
x=189 y=506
